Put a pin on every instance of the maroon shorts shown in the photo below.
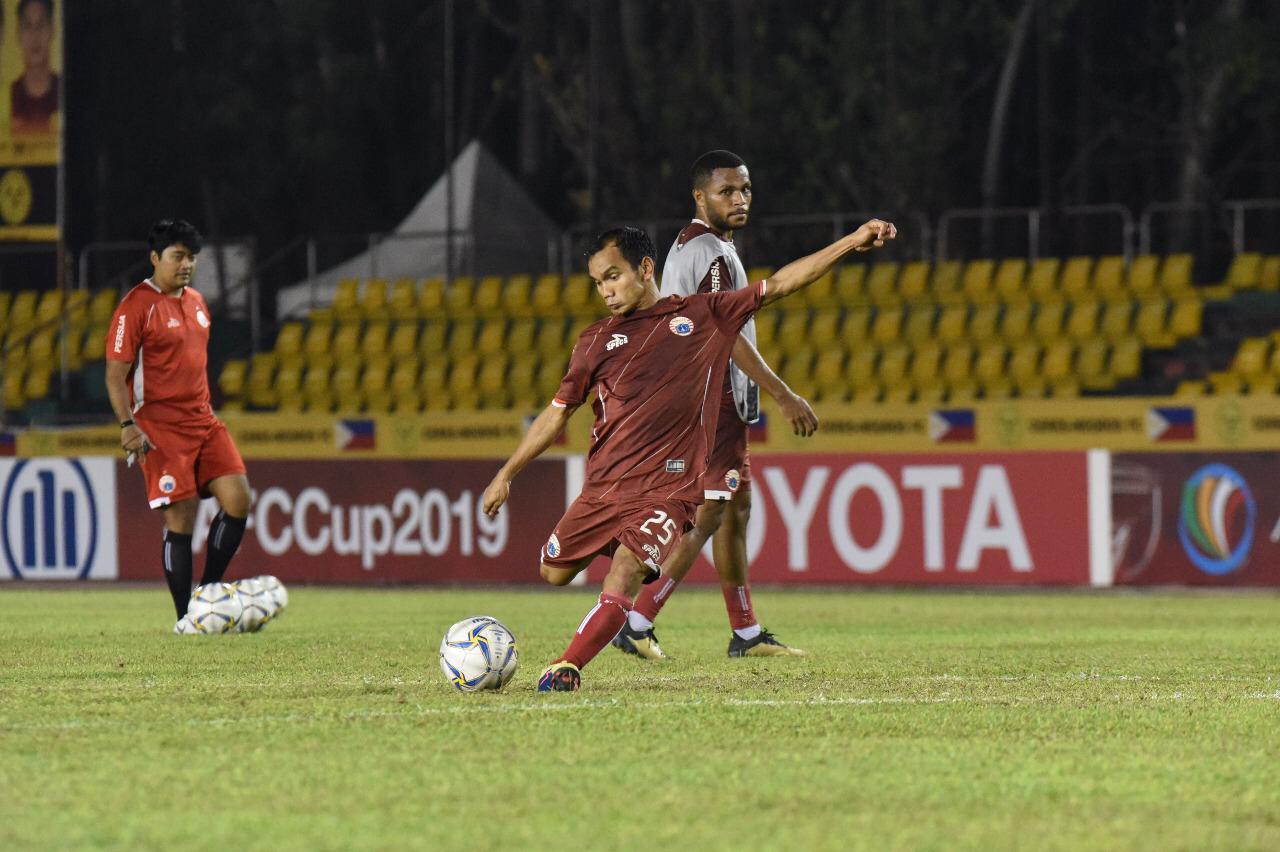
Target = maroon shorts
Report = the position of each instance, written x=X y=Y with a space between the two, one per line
x=184 y=459
x=646 y=526
x=729 y=465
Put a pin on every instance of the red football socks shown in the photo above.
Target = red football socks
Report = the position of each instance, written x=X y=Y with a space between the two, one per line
x=737 y=601
x=596 y=630
x=652 y=597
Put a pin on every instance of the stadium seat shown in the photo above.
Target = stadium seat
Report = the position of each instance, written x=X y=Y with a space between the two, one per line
x=850 y=279
x=433 y=378
x=550 y=339
x=882 y=283
x=925 y=364
x=318 y=338
x=404 y=377
x=492 y=337
x=1184 y=319
x=957 y=365
x=231 y=379
x=1091 y=364
x=315 y=383
x=1066 y=387
x=462 y=336
x=406 y=401
x=1150 y=323
x=1245 y=271
x=1269 y=274
x=1075 y=277
x=932 y=393
x=433 y=337
x=1250 y=361
x=985 y=322
x=919 y=327
x=346 y=340
x=1126 y=358
x=579 y=297
x=517 y=297
x=887 y=325
x=821 y=293
x=989 y=367
x=1108 y=277
x=976 y=283
x=898 y=394
x=404 y=340
x=1047 y=323
x=402 y=303
x=487 y=298
x=797 y=369
x=1015 y=322
x=492 y=376
x=375 y=380
x=1042 y=282
x=102 y=306
x=793 y=329
x=41 y=347
x=1226 y=383
x=1117 y=319
x=855 y=326
x=1082 y=322
x=1009 y=282
x=861 y=368
x=520 y=337
x=1058 y=360
x=913 y=284
x=550 y=372
x=1175 y=274
x=893 y=364
x=458 y=297
x=49 y=307
x=521 y=376
x=289 y=340
x=345 y=379
x=22 y=312
x=14 y=398
x=953 y=323
x=963 y=393
x=1191 y=388
x=824 y=328
x=373 y=299
x=945 y=282
x=829 y=376
x=545 y=300
x=6 y=302
x=1024 y=362
x=431 y=301
x=38 y=381
x=1142 y=280
x=346 y=300
x=374 y=340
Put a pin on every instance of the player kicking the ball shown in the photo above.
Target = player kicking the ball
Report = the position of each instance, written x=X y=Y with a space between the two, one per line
x=703 y=259
x=657 y=367
x=158 y=384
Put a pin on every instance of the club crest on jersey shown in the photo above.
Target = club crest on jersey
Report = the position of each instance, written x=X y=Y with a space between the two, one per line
x=553 y=546
x=682 y=326
x=201 y=318
x=618 y=340
x=675 y=465
x=168 y=483
x=732 y=479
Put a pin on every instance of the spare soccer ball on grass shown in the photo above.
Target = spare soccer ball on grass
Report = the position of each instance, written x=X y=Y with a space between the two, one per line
x=478 y=653
x=214 y=608
x=276 y=591
x=259 y=605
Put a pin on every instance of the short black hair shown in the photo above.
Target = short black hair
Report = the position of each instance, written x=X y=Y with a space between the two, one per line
x=712 y=160
x=634 y=244
x=171 y=232
x=47 y=4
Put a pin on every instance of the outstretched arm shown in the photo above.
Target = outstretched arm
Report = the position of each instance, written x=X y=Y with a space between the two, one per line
x=794 y=407
x=806 y=270
x=540 y=435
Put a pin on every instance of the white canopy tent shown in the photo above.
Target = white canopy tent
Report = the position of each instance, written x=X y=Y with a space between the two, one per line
x=498 y=230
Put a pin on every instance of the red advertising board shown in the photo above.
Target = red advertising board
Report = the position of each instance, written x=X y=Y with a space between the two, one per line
x=1199 y=519
x=958 y=519
x=368 y=521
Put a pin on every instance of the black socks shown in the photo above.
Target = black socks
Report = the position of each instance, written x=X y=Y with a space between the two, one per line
x=177 y=569
x=224 y=540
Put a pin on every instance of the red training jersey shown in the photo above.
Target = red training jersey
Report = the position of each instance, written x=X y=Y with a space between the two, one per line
x=166 y=339
x=658 y=374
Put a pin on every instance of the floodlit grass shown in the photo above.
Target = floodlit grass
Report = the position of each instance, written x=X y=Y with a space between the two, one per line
x=921 y=721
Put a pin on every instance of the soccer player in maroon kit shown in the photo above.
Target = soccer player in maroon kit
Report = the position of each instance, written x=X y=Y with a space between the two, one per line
x=657 y=368
x=703 y=259
x=157 y=381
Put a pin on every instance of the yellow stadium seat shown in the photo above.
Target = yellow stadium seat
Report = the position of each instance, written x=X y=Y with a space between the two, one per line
x=1184 y=319
x=1024 y=362
x=985 y=322
x=919 y=327
x=1034 y=387
x=1117 y=319
x=1015 y=322
x=953 y=323
x=866 y=395
x=828 y=373
x=925 y=364
x=402 y=302
x=492 y=337
x=1190 y=388
x=931 y=393
x=1175 y=274
x=1126 y=358
x=231 y=379
x=375 y=379
x=821 y=293
x=345 y=379
x=346 y=299
x=882 y=283
x=431 y=301
x=1226 y=383
x=315 y=381
x=824 y=328
x=1047 y=323
x=1245 y=271
x=797 y=369
x=989 y=364
x=432 y=340
x=318 y=338
x=435 y=402
x=404 y=340
x=406 y=401
x=373 y=300
x=49 y=307
x=849 y=284
x=493 y=374
x=1065 y=388
x=458 y=297
x=38 y=381
x=957 y=365
x=374 y=340
x=913 y=284
x=404 y=376
x=517 y=296
x=1075 y=277
x=893 y=364
x=1091 y=364
x=766 y=325
x=1042 y=282
x=579 y=323
x=346 y=340
x=1150 y=324
x=759 y=273
x=73 y=343
x=1109 y=277
x=977 y=281
x=521 y=375
x=487 y=299
x=77 y=307
x=1009 y=282
x=887 y=325
x=793 y=329
x=1059 y=357
x=462 y=336
x=290 y=339
x=855 y=326
x=579 y=296
x=546 y=296
x=1082 y=322
x=6 y=302
x=1250 y=360
x=14 y=398
x=1263 y=385
x=462 y=371
x=963 y=393
x=898 y=394
x=22 y=313
x=945 y=282
x=861 y=367
x=1142 y=280
x=550 y=338
x=102 y=306
x=550 y=373
x=520 y=336
x=41 y=347
x=1269 y=273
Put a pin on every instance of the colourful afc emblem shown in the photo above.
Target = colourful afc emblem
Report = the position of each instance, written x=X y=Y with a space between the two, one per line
x=553 y=546
x=682 y=326
x=732 y=480
x=1216 y=519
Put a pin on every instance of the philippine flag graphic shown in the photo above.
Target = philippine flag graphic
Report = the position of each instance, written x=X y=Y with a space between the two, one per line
x=759 y=431
x=1171 y=424
x=8 y=444
x=356 y=435
x=952 y=425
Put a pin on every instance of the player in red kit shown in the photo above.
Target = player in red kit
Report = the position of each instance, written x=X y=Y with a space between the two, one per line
x=656 y=367
x=703 y=259
x=157 y=381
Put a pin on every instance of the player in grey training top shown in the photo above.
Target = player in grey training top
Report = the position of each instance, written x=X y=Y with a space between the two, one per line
x=703 y=259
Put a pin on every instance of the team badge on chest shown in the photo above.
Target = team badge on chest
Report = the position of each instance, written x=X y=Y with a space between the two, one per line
x=732 y=479
x=682 y=326
x=201 y=318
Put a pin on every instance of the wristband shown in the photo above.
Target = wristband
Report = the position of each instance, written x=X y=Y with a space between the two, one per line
x=124 y=424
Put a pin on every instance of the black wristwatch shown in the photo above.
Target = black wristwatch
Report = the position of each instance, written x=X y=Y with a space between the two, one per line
x=125 y=424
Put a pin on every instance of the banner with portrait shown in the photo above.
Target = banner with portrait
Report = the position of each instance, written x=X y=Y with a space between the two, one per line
x=31 y=66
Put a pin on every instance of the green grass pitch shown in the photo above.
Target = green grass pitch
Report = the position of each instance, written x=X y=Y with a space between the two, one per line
x=920 y=721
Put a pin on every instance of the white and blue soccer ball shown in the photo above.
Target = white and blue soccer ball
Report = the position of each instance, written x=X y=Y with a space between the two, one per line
x=214 y=608
x=478 y=653
x=276 y=591
x=259 y=606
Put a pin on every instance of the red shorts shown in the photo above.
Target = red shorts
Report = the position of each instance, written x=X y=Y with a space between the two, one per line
x=183 y=460
x=729 y=464
x=646 y=526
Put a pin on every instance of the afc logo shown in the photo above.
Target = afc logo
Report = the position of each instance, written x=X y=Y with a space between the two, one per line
x=618 y=340
x=49 y=520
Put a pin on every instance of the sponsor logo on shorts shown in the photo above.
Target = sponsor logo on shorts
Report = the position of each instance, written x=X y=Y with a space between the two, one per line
x=618 y=340
x=732 y=479
x=675 y=465
x=119 y=347
x=553 y=546
x=201 y=318
x=682 y=326
x=654 y=553
x=168 y=483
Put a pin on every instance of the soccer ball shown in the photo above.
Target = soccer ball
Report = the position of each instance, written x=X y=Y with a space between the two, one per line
x=215 y=608
x=478 y=653
x=259 y=606
x=276 y=591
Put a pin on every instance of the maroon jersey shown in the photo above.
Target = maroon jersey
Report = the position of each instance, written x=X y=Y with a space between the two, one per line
x=658 y=374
